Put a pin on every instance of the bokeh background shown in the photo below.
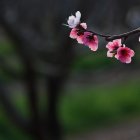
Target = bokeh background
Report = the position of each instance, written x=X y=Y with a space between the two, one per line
x=51 y=88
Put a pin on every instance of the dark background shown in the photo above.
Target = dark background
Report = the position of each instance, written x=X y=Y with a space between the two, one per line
x=51 y=88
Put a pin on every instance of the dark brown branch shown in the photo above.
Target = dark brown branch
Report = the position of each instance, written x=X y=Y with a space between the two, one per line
x=113 y=37
x=124 y=35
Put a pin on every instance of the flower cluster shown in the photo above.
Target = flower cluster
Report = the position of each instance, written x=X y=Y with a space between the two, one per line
x=119 y=51
x=88 y=38
x=80 y=33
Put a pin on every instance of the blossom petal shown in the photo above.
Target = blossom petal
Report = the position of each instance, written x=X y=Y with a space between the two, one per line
x=117 y=42
x=90 y=40
x=93 y=46
x=125 y=59
x=73 y=33
x=109 y=54
x=84 y=25
x=80 y=39
x=73 y=21
x=132 y=53
x=114 y=45
x=78 y=15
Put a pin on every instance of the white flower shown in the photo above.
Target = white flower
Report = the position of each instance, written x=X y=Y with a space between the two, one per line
x=139 y=39
x=73 y=21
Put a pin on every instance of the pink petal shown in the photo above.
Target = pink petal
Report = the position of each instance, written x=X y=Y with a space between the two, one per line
x=73 y=33
x=93 y=46
x=112 y=45
x=125 y=59
x=132 y=53
x=116 y=56
x=80 y=39
x=128 y=60
x=86 y=34
x=84 y=25
x=109 y=54
x=117 y=42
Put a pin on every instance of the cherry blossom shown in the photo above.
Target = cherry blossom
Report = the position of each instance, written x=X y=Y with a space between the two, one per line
x=90 y=40
x=78 y=32
x=73 y=33
x=112 y=47
x=73 y=21
x=124 y=54
x=115 y=47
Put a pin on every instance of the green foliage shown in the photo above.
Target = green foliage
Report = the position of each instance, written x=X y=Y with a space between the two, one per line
x=8 y=131
x=6 y=48
x=93 y=61
x=10 y=60
x=80 y=109
x=89 y=108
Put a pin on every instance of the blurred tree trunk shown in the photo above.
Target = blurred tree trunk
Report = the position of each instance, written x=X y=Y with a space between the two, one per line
x=25 y=29
x=53 y=123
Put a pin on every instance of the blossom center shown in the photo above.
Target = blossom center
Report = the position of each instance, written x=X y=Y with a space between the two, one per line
x=115 y=47
x=80 y=30
x=114 y=51
x=90 y=38
x=124 y=52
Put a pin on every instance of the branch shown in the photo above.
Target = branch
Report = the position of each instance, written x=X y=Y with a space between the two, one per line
x=124 y=35
x=113 y=37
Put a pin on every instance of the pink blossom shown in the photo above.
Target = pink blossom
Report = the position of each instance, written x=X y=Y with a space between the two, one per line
x=76 y=33
x=90 y=40
x=124 y=54
x=112 y=47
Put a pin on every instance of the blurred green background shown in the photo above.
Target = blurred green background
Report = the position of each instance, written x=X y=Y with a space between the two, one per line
x=98 y=92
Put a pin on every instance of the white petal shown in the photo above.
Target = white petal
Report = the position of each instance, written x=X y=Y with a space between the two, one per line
x=139 y=39
x=76 y=21
x=71 y=17
x=71 y=21
x=78 y=17
x=78 y=14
